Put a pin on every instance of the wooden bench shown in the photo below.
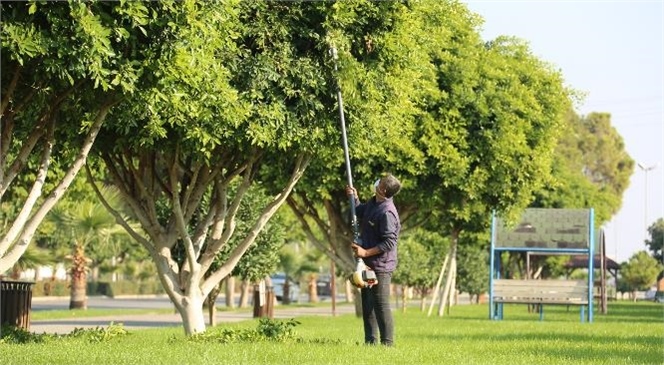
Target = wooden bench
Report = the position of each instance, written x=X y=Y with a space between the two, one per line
x=561 y=292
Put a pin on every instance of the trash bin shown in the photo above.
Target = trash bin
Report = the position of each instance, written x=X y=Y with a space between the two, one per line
x=15 y=303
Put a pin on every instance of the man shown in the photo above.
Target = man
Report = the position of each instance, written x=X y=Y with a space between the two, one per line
x=379 y=230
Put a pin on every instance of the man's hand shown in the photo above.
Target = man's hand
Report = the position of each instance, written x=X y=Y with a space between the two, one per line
x=358 y=250
x=351 y=191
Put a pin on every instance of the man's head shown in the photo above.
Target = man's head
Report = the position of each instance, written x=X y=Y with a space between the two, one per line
x=388 y=186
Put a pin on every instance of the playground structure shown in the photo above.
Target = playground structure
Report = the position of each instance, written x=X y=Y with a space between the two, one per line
x=543 y=231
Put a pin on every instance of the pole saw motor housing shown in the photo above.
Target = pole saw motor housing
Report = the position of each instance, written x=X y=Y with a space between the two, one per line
x=363 y=277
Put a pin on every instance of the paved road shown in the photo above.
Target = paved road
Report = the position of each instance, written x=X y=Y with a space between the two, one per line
x=153 y=320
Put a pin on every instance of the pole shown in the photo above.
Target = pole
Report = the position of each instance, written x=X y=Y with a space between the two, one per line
x=646 y=169
x=356 y=231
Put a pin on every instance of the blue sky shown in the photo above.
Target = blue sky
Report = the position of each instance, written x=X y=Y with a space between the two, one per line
x=613 y=51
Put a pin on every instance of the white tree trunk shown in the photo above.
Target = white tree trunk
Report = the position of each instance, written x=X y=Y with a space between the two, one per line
x=449 y=281
x=14 y=243
x=191 y=311
x=436 y=290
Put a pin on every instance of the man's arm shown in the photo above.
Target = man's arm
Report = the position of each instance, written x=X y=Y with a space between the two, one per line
x=362 y=253
x=389 y=228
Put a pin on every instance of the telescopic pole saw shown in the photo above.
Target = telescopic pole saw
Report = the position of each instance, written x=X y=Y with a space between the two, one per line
x=362 y=277
x=353 y=216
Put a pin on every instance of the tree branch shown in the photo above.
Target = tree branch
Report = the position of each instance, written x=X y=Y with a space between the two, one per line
x=301 y=164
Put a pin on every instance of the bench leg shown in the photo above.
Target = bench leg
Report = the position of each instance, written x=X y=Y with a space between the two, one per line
x=497 y=313
x=583 y=313
x=541 y=312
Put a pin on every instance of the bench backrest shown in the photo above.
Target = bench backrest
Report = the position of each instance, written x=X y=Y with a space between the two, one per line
x=543 y=291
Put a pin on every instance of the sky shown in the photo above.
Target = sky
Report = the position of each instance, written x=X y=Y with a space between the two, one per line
x=613 y=51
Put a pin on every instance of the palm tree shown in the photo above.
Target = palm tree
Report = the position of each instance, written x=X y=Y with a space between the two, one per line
x=82 y=223
x=33 y=258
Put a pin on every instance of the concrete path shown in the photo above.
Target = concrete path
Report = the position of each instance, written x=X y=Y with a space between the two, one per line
x=154 y=320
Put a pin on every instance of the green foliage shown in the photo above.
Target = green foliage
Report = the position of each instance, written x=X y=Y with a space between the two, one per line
x=591 y=167
x=267 y=330
x=57 y=288
x=212 y=87
x=33 y=258
x=656 y=241
x=17 y=335
x=640 y=272
x=490 y=139
x=75 y=61
x=262 y=257
x=473 y=264
x=297 y=262
x=48 y=287
x=276 y=330
x=14 y=335
x=421 y=255
x=99 y=334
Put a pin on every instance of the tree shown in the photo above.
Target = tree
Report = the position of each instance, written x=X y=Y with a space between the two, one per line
x=640 y=272
x=591 y=167
x=383 y=105
x=64 y=66
x=656 y=242
x=489 y=136
x=473 y=270
x=478 y=135
x=242 y=97
x=262 y=256
x=420 y=254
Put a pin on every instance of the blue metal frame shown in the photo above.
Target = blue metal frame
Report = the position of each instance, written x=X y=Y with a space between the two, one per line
x=496 y=309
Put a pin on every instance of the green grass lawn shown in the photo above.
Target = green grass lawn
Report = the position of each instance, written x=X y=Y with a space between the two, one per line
x=91 y=312
x=632 y=333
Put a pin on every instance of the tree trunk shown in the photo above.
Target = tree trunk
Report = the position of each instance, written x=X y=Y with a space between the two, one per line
x=285 y=292
x=244 y=294
x=230 y=291
x=23 y=228
x=423 y=299
x=449 y=282
x=211 y=303
x=358 y=303
x=404 y=298
x=78 y=292
x=348 y=289
x=313 y=289
x=191 y=311
x=189 y=281
x=438 y=284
